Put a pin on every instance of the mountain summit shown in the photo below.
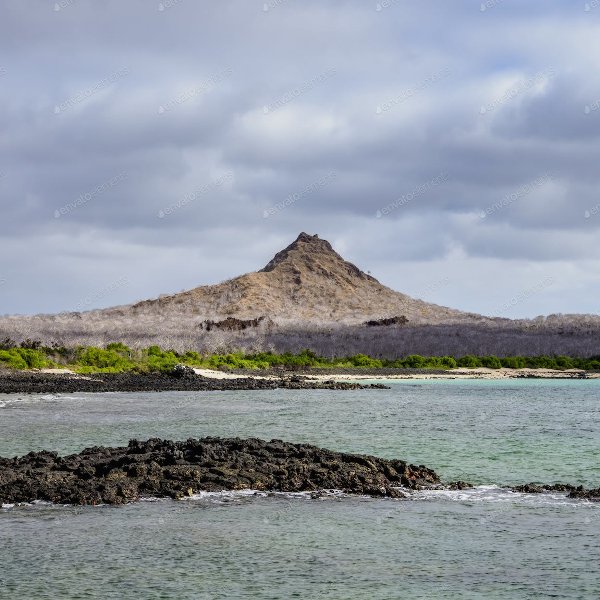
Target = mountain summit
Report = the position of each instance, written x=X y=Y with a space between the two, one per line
x=308 y=281
x=313 y=254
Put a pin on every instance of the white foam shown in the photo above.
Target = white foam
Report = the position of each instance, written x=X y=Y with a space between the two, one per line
x=496 y=494
x=10 y=401
x=480 y=494
x=228 y=495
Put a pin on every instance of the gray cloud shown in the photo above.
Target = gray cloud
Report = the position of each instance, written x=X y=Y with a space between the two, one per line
x=162 y=111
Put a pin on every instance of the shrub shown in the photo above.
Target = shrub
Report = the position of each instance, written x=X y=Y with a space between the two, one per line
x=541 y=362
x=120 y=348
x=192 y=358
x=11 y=359
x=23 y=358
x=564 y=362
x=513 y=362
x=103 y=359
x=414 y=361
x=34 y=359
x=491 y=362
x=362 y=360
x=448 y=362
x=165 y=361
x=469 y=361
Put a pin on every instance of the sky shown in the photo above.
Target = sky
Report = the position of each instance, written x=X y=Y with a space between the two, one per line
x=450 y=148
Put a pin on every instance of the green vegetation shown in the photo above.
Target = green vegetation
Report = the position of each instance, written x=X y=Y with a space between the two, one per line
x=117 y=357
x=24 y=358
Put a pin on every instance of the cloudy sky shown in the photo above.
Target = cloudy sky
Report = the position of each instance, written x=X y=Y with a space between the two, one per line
x=448 y=147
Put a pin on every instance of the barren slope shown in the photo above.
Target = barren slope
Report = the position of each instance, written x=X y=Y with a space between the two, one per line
x=307 y=297
x=307 y=281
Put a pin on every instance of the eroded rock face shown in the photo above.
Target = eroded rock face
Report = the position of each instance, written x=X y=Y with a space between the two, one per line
x=163 y=468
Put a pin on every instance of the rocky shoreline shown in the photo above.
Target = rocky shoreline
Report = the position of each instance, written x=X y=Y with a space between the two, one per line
x=163 y=468
x=183 y=379
x=167 y=469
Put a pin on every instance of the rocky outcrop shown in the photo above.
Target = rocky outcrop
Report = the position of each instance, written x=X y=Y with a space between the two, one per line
x=182 y=379
x=399 y=320
x=233 y=324
x=161 y=468
x=573 y=491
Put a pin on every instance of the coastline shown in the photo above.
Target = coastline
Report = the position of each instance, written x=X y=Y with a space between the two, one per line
x=478 y=373
x=357 y=374
x=49 y=381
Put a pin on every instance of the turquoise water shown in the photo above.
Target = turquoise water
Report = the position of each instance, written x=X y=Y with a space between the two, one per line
x=484 y=543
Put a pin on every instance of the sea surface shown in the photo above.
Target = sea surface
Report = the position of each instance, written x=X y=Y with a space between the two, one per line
x=481 y=543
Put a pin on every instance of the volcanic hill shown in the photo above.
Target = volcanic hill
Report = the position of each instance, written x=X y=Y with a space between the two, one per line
x=308 y=296
x=306 y=282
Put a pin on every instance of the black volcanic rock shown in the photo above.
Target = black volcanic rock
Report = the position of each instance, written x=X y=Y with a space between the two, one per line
x=182 y=379
x=163 y=468
x=573 y=491
x=183 y=372
x=386 y=322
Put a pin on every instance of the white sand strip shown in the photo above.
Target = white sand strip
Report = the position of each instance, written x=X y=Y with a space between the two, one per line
x=479 y=373
x=213 y=374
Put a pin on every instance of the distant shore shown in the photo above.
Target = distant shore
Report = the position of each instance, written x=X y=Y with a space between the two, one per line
x=61 y=381
x=479 y=373
x=51 y=381
x=391 y=374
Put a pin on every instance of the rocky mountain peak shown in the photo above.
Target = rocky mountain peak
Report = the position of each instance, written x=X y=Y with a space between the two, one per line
x=307 y=282
x=304 y=243
x=311 y=253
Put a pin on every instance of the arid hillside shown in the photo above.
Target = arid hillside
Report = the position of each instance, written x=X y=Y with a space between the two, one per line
x=307 y=296
x=306 y=282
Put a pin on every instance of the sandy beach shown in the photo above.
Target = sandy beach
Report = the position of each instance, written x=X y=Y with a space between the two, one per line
x=480 y=373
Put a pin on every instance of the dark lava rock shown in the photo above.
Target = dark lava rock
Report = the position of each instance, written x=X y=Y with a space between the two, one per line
x=181 y=378
x=572 y=490
x=183 y=372
x=399 y=320
x=593 y=495
x=459 y=485
x=163 y=468
x=528 y=488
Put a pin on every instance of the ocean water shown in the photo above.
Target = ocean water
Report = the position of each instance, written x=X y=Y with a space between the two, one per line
x=480 y=543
